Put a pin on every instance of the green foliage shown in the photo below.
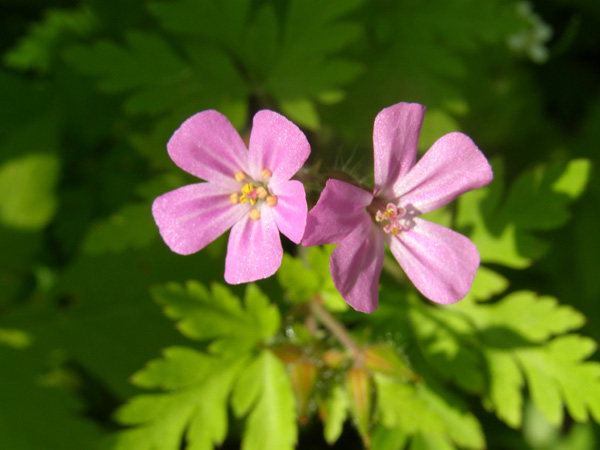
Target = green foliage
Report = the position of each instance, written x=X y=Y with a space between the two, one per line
x=537 y=200
x=263 y=392
x=90 y=96
x=199 y=384
x=27 y=190
x=219 y=316
x=40 y=416
x=308 y=277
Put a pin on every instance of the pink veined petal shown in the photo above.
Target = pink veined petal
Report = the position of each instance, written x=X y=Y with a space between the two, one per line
x=192 y=216
x=340 y=210
x=355 y=267
x=395 y=139
x=254 y=250
x=451 y=167
x=208 y=146
x=291 y=209
x=276 y=144
x=440 y=262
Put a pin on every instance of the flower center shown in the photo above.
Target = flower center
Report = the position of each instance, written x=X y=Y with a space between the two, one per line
x=254 y=192
x=390 y=218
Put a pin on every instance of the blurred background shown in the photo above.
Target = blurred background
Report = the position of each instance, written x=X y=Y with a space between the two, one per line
x=90 y=92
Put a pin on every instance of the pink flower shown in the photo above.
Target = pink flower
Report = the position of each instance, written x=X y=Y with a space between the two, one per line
x=247 y=190
x=440 y=262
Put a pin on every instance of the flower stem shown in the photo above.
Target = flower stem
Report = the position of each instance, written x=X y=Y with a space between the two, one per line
x=335 y=328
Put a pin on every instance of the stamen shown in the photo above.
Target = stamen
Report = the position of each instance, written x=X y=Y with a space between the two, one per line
x=390 y=218
x=266 y=173
x=248 y=194
x=261 y=192
x=233 y=198
x=254 y=214
x=240 y=176
x=272 y=200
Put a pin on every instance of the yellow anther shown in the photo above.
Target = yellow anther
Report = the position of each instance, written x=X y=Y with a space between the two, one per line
x=395 y=231
x=266 y=173
x=254 y=214
x=247 y=195
x=240 y=176
x=272 y=200
x=261 y=192
x=233 y=198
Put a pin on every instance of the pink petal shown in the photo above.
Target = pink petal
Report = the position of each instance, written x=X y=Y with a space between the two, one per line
x=340 y=210
x=290 y=211
x=440 y=262
x=208 y=146
x=192 y=216
x=254 y=250
x=276 y=144
x=395 y=139
x=355 y=267
x=451 y=167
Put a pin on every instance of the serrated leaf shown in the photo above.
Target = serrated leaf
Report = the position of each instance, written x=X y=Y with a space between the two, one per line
x=195 y=411
x=533 y=317
x=146 y=61
x=506 y=383
x=264 y=393
x=421 y=410
x=180 y=367
x=558 y=374
x=486 y=284
x=537 y=200
x=27 y=183
x=39 y=48
x=443 y=338
x=218 y=315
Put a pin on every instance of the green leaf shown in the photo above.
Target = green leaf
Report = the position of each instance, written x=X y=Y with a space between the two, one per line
x=180 y=367
x=299 y=282
x=301 y=111
x=224 y=20
x=558 y=375
x=486 y=284
x=146 y=61
x=305 y=278
x=505 y=385
x=34 y=415
x=388 y=438
x=27 y=198
x=556 y=372
x=537 y=200
x=39 y=49
x=264 y=393
x=444 y=339
x=194 y=410
x=333 y=412
x=421 y=410
x=131 y=227
x=533 y=317
x=218 y=315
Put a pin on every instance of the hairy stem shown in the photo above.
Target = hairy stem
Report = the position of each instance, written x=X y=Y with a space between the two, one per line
x=335 y=328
